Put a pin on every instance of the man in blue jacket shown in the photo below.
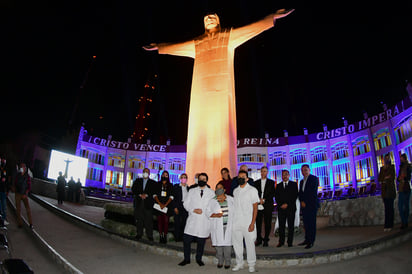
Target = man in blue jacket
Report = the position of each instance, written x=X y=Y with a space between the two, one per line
x=308 y=196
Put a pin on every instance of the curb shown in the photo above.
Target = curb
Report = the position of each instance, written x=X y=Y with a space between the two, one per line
x=59 y=259
x=273 y=260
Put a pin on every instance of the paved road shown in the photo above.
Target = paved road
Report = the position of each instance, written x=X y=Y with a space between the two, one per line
x=94 y=253
x=23 y=246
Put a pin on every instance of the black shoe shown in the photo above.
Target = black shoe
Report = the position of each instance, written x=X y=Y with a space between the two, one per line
x=279 y=245
x=258 y=242
x=308 y=246
x=183 y=263
x=219 y=266
x=161 y=240
x=303 y=243
x=200 y=263
x=265 y=243
x=227 y=266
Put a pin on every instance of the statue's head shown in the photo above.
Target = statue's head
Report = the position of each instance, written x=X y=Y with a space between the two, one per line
x=212 y=22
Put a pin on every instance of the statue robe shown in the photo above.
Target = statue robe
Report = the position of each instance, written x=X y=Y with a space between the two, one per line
x=211 y=137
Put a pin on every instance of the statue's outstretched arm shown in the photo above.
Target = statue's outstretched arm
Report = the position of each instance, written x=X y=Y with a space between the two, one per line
x=243 y=34
x=180 y=49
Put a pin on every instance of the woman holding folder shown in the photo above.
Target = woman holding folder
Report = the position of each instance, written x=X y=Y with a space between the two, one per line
x=163 y=197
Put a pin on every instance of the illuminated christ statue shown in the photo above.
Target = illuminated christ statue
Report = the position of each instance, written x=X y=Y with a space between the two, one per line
x=211 y=138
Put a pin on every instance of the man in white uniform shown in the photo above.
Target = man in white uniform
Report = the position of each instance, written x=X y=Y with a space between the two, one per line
x=246 y=201
x=197 y=224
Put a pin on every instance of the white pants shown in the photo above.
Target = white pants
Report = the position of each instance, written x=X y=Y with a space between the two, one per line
x=238 y=234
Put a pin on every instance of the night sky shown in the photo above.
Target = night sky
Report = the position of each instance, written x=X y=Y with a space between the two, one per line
x=322 y=62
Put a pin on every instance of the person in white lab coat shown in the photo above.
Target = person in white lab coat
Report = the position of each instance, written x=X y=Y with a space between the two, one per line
x=197 y=224
x=246 y=200
x=221 y=210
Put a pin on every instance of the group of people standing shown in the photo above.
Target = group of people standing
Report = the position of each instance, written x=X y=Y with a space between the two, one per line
x=232 y=214
x=73 y=189
x=387 y=179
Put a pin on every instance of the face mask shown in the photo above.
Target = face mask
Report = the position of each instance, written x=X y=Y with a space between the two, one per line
x=21 y=170
x=165 y=178
x=196 y=180
x=183 y=180
x=145 y=175
x=241 y=181
x=202 y=183
x=219 y=191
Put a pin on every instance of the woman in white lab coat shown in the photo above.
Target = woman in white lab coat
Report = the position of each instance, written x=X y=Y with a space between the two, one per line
x=220 y=212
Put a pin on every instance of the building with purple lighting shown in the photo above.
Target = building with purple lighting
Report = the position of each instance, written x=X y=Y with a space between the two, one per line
x=345 y=159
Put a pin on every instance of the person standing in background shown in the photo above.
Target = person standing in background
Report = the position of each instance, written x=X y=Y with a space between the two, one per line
x=60 y=188
x=22 y=187
x=226 y=180
x=246 y=201
x=404 y=190
x=143 y=190
x=387 y=180
x=197 y=224
x=180 y=192
x=266 y=192
x=308 y=196
x=286 y=194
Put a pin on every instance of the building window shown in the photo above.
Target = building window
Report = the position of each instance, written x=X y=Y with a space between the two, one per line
x=93 y=156
x=404 y=131
x=361 y=145
x=157 y=163
x=277 y=158
x=116 y=160
x=176 y=164
x=340 y=151
x=342 y=175
x=298 y=156
x=252 y=158
x=114 y=179
x=382 y=139
x=364 y=171
x=323 y=174
x=94 y=174
x=318 y=154
x=275 y=174
x=136 y=162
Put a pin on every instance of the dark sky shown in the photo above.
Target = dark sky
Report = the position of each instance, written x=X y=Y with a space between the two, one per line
x=324 y=61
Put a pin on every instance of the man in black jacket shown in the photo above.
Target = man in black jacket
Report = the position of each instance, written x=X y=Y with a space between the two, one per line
x=286 y=194
x=308 y=196
x=266 y=192
x=180 y=214
x=143 y=190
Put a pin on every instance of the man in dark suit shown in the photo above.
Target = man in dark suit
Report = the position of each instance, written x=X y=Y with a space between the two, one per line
x=143 y=190
x=308 y=196
x=286 y=194
x=235 y=182
x=180 y=192
x=266 y=192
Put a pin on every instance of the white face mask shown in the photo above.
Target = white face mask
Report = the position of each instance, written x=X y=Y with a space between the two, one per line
x=196 y=180
x=145 y=175
x=21 y=170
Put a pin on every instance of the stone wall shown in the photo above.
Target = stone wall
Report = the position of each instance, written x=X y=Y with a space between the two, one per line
x=357 y=212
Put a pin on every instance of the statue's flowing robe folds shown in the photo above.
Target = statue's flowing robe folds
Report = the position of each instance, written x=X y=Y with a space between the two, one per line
x=211 y=137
